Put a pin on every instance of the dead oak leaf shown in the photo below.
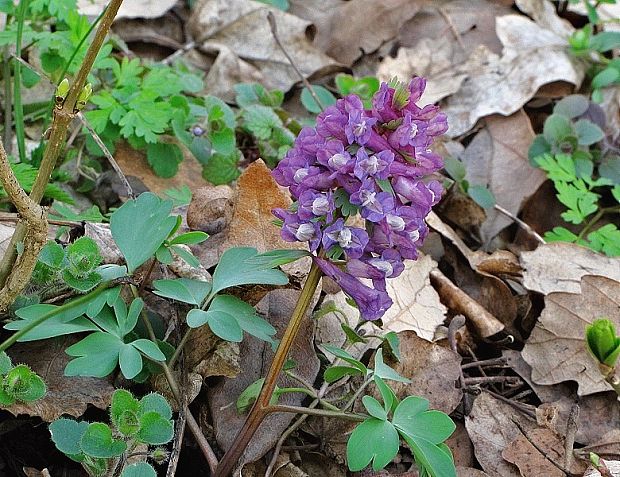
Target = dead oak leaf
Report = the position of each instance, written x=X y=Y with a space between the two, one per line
x=559 y=267
x=497 y=158
x=416 y=303
x=65 y=395
x=134 y=9
x=556 y=348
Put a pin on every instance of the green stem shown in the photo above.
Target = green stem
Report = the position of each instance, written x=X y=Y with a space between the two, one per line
x=8 y=99
x=599 y=214
x=17 y=83
x=261 y=407
x=357 y=394
x=62 y=308
x=317 y=412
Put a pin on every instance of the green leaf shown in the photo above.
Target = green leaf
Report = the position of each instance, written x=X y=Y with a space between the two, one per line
x=605 y=78
x=373 y=441
x=435 y=460
x=281 y=4
x=222 y=324
x=122 y=401
x=374 y=408
x=352 y=336
x=560 y=234
x=140 y=226
x=276 y=258
x=432 y=426
x=149 y=349
x=588 y=133
x=342 y=354
x=66 y=322
x=609 y=168
x=5 y=363
x=186 y=255
x=260 y=121
x=384 y=371
x=482 y=196
x=606 y=239
x=235 y=269
x=222 y=168
x=67 y=434
x=180 y=196
x=538 y=147
x=164 y=158
x=572 y=106
x=556 y=128
x=334 y=373
x=223 y=141
x=455 y=168
x=52 y=255
x=186 y=290
x=244 y=314
x=390 y=401
x=190 y=238
x=391 y=338
x=139 y=469
x=97 y=355
x=325 y=97
x=249 y=395
x=155 y=429
x=130 y=361
x=97 y=441
x=605 y=41
x=154 y=402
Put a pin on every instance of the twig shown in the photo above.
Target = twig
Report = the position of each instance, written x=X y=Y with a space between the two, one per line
x=456 y=299
x=520 y=223
x=457 y=322
x=274 y=32
x=492 y=379
x=572 y=424
x=177 y=444
x=524 y=408
x=180 y=52
x=13 y=217
x=485 y=363
x=316 y=412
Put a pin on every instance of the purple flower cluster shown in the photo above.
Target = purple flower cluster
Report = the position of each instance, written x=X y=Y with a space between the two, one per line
x=370 y=162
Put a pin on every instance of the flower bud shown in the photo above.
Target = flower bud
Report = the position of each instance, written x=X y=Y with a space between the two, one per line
x=602 y=341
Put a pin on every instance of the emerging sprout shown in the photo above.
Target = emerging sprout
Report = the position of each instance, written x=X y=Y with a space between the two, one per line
x=602 y=342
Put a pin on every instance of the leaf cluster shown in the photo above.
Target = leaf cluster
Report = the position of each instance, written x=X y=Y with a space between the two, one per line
x=479 y=193
x=98 y=446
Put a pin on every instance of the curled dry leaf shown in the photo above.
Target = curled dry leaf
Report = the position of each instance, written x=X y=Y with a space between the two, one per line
x=65 y=395
x=432 y=369
x=497 y=158
x=416 y=303
x=241 y=27
x=491 y=426
x=211 y=209
x=532 y=57
x=559 y=267
x=556 y=348
x=277 y=306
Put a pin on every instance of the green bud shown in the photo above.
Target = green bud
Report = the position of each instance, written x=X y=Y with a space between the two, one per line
x=580 y=40
x=602 y=341
x=62 y=89
x=595 y=459
x=85 y=94
x=401 y=93
x=159 y=455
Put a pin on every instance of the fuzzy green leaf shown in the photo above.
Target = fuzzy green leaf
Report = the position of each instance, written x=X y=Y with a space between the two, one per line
x=67 y=434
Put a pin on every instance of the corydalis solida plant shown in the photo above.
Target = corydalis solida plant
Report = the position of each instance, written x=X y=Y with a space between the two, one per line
x=354 y=161
x=372 y=163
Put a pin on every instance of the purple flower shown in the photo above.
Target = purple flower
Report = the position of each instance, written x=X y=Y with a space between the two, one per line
x=372 y=162
x=371 y=303
x=375 y=165
x=352 y=240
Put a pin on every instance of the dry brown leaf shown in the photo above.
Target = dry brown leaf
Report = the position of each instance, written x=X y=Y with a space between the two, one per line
x=559 y=267
x=532 y=57
x=491 y=428
x=252 y=221
x=133 y=9
x=461 y=447
x=556 y=348
x=65 y=395
x=240 y=29
x=497 y=158
x=211 y=209
x=432 y=369
x=416 y=303
x=607 y=445
x=133 y=163
x=256 y=357
x=374 y=23
x=525 y=453
x=613 y=469
x=469 y=472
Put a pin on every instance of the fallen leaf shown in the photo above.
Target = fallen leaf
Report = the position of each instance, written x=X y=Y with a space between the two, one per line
x=432 y=369
x=532 y=57
x=252 y=221
x=598 y=413
x=556 y=348
x=559 y=267
x=491 y=428
x=613 y=468
x=607 y=445
x=525 y=453
x=461 y=447
x=65 y=395
x=134 y=9
x=211 y=209
x=255 y=360
x=208 y=355
x=416 y=303
x=241 y=27
x=469 y=472
x=133 y=163
x=497 y=158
